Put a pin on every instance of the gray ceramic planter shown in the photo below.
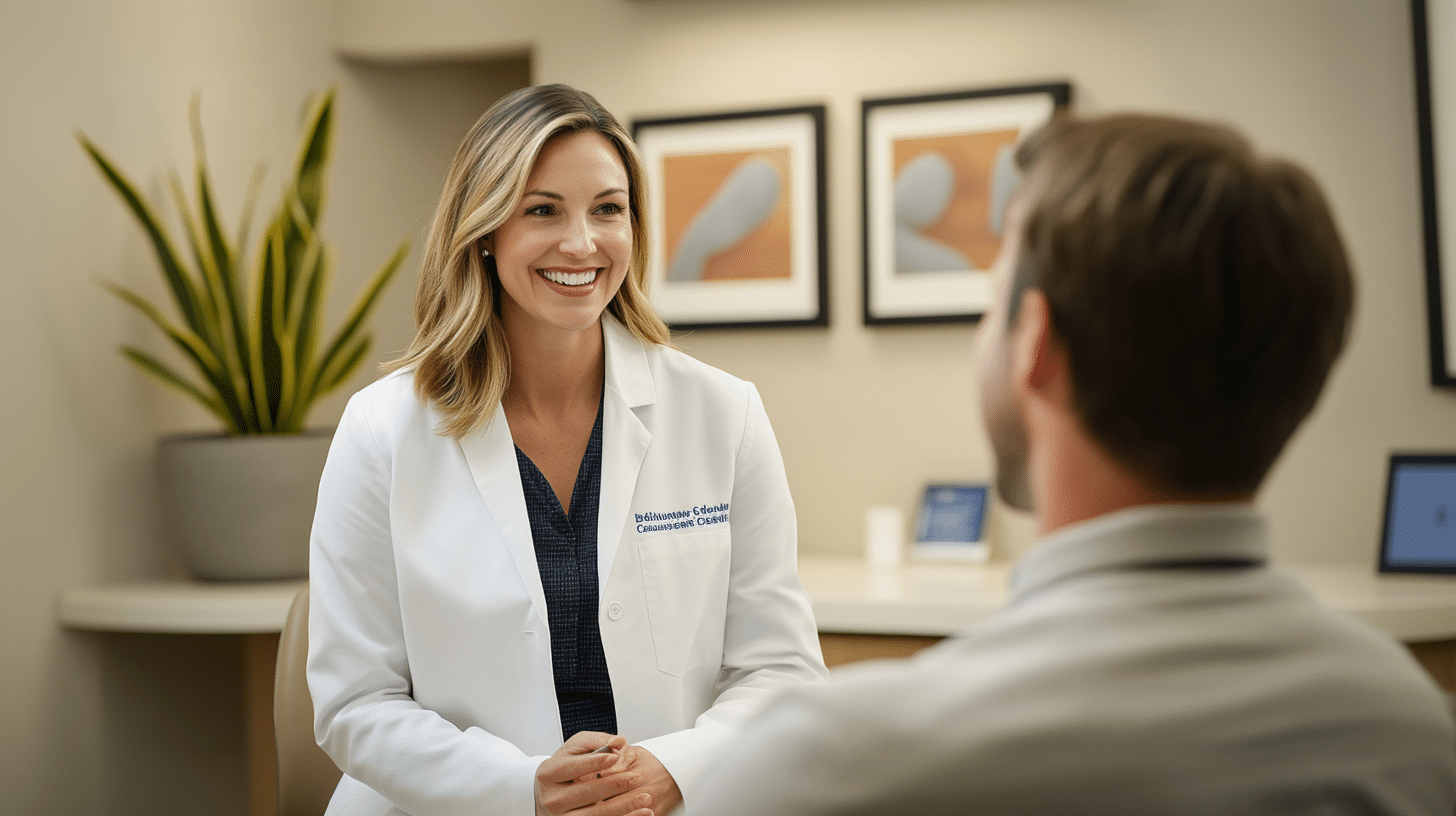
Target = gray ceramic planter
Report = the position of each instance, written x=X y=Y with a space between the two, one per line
x=240 y=507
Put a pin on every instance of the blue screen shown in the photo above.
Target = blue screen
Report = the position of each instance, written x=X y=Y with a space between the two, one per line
x=1421 y=527
x=951 y=514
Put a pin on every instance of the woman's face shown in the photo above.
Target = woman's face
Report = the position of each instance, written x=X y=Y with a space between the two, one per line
x=564 y=251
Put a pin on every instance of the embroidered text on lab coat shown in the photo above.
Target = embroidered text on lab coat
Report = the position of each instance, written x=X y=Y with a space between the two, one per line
x=701 y=515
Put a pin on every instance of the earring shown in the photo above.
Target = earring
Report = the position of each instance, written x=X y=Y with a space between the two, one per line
x=485 y=255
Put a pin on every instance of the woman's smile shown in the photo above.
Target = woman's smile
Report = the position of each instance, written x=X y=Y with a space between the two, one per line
x=570 y=277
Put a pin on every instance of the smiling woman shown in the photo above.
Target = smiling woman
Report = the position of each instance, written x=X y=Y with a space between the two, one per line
x=488 y=611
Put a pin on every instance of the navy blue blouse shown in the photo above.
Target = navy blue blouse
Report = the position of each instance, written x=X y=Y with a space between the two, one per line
x=566 y=557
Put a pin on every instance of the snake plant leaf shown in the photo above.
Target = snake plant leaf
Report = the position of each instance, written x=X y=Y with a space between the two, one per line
x=237 y=298
x=250 y=206
x=344 y=363
x=305 y=323
x=308 y=319
x=220 y=337
x=227 y=291
x=293 y=246
x=293 y=335
x=313 y=158
x=335 y=365
x=171 y=379
x=183 y=291
x=267 y=313
x=303 y=198
x=192 y=346
x=210 y=318
x=221 y=250
x=232 y=343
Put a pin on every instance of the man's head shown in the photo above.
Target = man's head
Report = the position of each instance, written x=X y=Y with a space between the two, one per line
x=1200 y=294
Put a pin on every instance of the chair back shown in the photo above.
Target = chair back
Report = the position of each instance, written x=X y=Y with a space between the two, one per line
x=306 y=775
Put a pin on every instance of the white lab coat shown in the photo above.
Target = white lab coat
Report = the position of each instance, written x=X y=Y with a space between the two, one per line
x=429 y=650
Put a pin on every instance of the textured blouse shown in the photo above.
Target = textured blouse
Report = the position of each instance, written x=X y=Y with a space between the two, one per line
x=566 y=557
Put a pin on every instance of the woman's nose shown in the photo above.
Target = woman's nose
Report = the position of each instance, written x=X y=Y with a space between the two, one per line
x=579 y=240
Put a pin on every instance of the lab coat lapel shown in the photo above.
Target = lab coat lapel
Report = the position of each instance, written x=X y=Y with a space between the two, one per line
x=491 y=454
x=625 y=437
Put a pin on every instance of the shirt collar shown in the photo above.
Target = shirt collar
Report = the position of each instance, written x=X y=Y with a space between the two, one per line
x=627 y=371
x=1143 y=535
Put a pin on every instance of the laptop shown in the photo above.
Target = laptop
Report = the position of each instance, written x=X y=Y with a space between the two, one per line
x=1420 y=514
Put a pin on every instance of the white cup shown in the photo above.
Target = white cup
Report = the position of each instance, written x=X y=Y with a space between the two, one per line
x=884 y=536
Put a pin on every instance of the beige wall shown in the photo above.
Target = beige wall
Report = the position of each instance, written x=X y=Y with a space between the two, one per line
x=134 y=724
x=867 y=416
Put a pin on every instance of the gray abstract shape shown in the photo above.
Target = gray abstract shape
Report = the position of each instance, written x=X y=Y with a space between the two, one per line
x=1004 y=180
x=923 y=191
x=916 y=253
x=744 y=202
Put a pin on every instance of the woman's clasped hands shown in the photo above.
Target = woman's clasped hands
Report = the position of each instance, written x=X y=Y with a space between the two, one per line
x=622 y=780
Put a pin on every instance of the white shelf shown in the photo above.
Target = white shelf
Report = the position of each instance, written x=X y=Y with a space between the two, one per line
x=942 y=599
x=849 y=596
x=179 y=607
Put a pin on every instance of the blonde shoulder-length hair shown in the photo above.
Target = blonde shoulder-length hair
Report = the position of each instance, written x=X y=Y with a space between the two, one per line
x=459 y=355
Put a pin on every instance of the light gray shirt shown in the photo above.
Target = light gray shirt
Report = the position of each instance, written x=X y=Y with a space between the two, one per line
x=1147 y=662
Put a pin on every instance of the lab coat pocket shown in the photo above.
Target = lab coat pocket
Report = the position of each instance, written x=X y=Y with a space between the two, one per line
x=685 y=578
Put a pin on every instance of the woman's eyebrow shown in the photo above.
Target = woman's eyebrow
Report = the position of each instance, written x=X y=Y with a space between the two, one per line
x=559 y=197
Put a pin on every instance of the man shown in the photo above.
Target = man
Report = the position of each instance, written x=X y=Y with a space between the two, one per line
x=1169 y=305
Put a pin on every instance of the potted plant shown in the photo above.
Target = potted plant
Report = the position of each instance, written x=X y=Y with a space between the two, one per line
x=241 y=502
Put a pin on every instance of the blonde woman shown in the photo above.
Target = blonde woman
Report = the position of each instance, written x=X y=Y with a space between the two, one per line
x=547 y=532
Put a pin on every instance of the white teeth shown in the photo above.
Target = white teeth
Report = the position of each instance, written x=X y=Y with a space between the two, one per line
x=570 y=278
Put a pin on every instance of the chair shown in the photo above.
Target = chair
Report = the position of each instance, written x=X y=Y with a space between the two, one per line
x=306 y=775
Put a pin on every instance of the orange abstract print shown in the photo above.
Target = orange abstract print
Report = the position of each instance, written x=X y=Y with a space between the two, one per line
x=693 y=183
x=965 y=223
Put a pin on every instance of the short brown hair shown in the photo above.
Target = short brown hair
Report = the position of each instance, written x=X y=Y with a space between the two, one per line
x=1202 y=292
x=460 y=357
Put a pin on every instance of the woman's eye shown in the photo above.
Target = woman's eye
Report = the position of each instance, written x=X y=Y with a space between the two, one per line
x=611 y=208
x=540 y=209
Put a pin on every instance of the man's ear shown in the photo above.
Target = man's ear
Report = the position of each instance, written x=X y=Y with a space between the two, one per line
x=1039 y=361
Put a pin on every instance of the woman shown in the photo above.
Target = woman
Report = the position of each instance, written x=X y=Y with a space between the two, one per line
x=546 y=532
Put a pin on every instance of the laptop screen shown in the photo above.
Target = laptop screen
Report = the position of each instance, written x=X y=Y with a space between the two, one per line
x=1420 y=514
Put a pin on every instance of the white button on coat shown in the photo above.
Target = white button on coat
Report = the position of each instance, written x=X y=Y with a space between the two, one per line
x=614 y=610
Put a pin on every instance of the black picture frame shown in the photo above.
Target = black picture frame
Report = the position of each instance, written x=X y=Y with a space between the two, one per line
x=930 y=264
x=733 y=156
x=1435 y=86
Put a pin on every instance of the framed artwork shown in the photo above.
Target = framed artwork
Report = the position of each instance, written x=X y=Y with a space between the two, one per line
x=937 y=173
x=1433 y=28
x=736 y=208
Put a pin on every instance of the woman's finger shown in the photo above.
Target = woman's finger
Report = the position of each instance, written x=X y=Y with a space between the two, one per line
x=563 y=770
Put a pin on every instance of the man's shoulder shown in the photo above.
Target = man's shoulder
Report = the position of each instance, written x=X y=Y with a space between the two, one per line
x=1190 y=660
